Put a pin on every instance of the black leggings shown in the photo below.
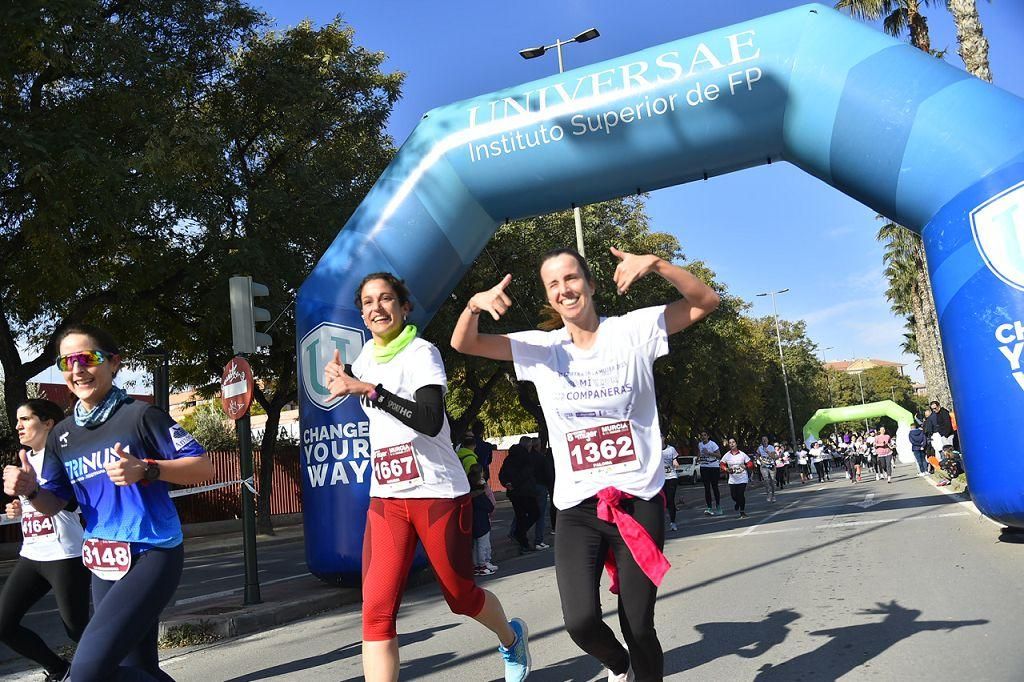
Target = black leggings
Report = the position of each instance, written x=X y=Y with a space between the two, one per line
x=581 y=545
x=525 y=507
x=709 y=476
x=120 y=642
x=29 y=582
x=819 y=467
x=885 y=465
x=738 y=491
x=780 y=477
x=669 y=489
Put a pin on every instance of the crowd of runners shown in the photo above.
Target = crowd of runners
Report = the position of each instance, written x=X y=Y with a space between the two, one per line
x=91 y=489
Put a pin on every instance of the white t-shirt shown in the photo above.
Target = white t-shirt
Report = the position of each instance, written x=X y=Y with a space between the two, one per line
x=599 y=404
x=737 y=466
x=816 y=455
x=441 y=472
x=709 y=454
x=668 y=460
x=801 y=457
x=48 y=538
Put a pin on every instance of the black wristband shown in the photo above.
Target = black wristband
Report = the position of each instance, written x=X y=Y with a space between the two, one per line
x=32 y=495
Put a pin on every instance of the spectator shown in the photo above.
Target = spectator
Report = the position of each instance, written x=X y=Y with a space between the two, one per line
x=520 y=485
x=917 y=445
x=468 y=456
x=541 y=491
x=482 y=509
x=942 y=427
x=484 y=450
x=952 y=464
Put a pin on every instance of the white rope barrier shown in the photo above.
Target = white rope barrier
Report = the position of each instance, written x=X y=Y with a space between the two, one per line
x=247 y=482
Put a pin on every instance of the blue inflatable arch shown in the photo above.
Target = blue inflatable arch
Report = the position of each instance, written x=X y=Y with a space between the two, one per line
x=910 y=136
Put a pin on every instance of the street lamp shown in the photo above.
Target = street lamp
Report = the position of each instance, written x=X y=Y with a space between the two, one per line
x=828 y=383
x=532 y=53
x=785 y=380
x=893 y=390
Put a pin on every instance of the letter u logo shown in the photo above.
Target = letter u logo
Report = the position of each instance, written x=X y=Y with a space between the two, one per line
x=316 y=349
x=998 y=228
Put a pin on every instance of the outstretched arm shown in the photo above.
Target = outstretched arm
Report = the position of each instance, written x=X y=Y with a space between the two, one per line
x=467 y=339
x=698 y=299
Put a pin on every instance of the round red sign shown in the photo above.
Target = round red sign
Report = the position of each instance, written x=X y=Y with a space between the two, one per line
x=236 y=388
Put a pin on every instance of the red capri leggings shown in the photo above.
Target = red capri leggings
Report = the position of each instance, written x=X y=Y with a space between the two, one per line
x=392 y=527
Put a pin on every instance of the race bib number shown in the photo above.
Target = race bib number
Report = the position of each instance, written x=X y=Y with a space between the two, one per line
x=107 y=559
x=36 y=526
x=395 y=467
x=602 y=449
x=736 y=469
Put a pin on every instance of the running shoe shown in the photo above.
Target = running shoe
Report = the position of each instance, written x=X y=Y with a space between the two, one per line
x=672 y=526
x=491 y=566
x=878 y=477
x=482 y=570
x=708 y=512
x=719 y=512
x=517 y=656
x=624 y=677
x=743 y=515
x=542 y=545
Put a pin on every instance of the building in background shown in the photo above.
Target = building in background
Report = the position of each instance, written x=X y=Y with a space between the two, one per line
x=861 y=364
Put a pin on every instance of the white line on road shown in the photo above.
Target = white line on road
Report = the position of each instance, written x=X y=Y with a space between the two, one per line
x=869 y=501
x=228 y=593
x=775 y=513
x=846 y=524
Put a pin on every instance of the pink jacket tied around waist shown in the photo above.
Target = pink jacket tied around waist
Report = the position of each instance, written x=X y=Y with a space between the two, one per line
x=640 y=543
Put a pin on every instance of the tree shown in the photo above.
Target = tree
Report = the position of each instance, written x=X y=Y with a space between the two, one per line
x=208 y=423
x=284 y=148
x=905 y=254
x=91 y=95
x=970 y=38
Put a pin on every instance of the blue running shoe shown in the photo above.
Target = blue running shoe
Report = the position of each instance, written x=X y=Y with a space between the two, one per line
x=517 y=656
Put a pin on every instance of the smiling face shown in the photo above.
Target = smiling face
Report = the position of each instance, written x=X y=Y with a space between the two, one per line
x=32 y=430
x=383 y=313
x=732 y=444
x=569 y=292
x=89 y=384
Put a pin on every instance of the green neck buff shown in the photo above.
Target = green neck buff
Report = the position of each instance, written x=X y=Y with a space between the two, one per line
x=388 y=351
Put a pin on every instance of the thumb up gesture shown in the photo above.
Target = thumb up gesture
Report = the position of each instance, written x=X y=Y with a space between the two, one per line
x=125 y=470
x=20 y=480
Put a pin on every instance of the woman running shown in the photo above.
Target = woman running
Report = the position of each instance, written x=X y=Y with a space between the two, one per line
x=737 y=463
x=766 y=463
x=51 y=555
x=419 y=490
x=595 y=382
x=670 y=460
x=115 y=457
x=883 y=451
x=708 y=457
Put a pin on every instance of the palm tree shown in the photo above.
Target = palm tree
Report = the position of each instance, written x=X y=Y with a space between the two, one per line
x=973 y=45
x=906 y=263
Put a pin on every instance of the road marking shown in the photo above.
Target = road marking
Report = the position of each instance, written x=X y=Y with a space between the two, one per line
x=869 y=522
x=966 y=504
x=869 y=501
x=825 y=526
x=228 y=593
x=775 y=513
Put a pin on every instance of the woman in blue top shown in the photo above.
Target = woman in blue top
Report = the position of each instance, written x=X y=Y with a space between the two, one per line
x=114 y=458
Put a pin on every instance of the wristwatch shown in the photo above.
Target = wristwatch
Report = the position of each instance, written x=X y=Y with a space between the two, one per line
x=152 y=472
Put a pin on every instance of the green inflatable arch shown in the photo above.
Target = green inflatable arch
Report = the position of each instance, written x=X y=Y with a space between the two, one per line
x=852 y=413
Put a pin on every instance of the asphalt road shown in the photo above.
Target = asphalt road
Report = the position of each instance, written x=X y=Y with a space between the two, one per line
x=834 y=581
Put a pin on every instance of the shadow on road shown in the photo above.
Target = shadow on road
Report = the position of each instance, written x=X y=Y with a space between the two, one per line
x=851 y=647
x=339 y=654
x=745 y=639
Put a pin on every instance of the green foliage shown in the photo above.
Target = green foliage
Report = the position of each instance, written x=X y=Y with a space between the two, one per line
x=211 y=427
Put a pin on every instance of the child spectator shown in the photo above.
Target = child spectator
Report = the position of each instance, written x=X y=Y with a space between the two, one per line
x=952 y=464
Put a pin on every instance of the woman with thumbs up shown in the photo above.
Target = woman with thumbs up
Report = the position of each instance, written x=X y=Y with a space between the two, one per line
x=114 y=457
x=50 y=556
x=595 y=383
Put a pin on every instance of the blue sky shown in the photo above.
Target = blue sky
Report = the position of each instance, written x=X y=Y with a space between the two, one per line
x=764 y=228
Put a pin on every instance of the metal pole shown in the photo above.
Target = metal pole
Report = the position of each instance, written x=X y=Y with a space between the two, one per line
x=828 y=383
x=576 y=213
x=785 y=380
x=252 y=585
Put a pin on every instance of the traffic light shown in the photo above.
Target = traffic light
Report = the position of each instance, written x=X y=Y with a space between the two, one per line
x=244 y=315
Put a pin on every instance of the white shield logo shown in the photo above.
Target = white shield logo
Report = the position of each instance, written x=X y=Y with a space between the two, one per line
x=317 y=349
x=998 y=227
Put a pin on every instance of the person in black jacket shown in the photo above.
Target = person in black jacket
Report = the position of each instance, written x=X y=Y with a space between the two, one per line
x=941 y=427
x=917 y=444
x=517 y=475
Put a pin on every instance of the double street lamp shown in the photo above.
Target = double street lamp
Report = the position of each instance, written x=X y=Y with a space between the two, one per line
x=782 y=359
x=534 y=52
